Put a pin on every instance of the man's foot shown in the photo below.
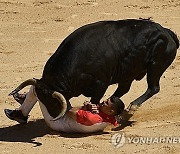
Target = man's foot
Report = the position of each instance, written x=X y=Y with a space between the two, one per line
x=16 y=115
x=19 y=97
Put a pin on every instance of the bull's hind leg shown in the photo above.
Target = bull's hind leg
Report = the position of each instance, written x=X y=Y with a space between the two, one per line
x=164 y=56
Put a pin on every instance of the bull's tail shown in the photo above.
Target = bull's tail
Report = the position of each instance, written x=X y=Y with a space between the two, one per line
x=174 y=36
x=46 y=91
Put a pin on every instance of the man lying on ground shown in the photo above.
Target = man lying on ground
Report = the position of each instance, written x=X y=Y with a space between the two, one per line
x=83 y=119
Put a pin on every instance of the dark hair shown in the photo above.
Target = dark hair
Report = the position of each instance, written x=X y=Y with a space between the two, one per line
x=118 y=104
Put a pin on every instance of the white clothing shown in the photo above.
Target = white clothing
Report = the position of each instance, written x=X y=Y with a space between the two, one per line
x=64 y=124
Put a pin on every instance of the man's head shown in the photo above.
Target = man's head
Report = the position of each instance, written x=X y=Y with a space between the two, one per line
x=112 y=106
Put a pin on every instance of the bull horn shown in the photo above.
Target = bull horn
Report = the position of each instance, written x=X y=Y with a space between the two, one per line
x=62 y=100
x=24 y=84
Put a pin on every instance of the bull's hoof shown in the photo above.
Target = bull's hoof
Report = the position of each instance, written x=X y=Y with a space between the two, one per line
x=132 y=108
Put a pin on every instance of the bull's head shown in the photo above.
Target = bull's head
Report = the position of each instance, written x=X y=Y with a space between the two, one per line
x=54 y=94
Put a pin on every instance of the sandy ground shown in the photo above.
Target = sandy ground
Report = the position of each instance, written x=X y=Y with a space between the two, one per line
x=31 y=30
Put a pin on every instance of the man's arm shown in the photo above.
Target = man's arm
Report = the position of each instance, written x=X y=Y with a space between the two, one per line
x=72 y=112
x=88 y=106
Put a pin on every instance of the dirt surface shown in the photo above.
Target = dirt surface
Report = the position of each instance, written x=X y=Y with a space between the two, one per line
x=31 y=30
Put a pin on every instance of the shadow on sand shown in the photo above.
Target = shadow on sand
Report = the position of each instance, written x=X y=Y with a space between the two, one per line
x=124 y=121
x=28 y=132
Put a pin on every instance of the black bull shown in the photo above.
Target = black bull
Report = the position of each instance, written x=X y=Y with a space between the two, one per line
x=104 y=53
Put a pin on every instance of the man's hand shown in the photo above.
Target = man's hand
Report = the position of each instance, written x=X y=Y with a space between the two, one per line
x=88 y=106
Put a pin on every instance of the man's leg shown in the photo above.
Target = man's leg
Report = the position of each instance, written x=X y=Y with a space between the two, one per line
x=21 y=115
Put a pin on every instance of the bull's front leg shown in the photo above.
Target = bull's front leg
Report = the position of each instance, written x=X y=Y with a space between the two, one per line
x=98 y=92
x=153 y=77
x=133 y=106
x=123 y=119
x=164 y=56
x=122 y=89
x=96 y=98
x=154 y=73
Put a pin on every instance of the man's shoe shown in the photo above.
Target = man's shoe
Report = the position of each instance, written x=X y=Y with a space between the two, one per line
x=19 y=97
x=16 y=115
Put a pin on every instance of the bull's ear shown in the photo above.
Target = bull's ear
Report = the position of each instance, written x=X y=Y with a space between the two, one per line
x=63 y=103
